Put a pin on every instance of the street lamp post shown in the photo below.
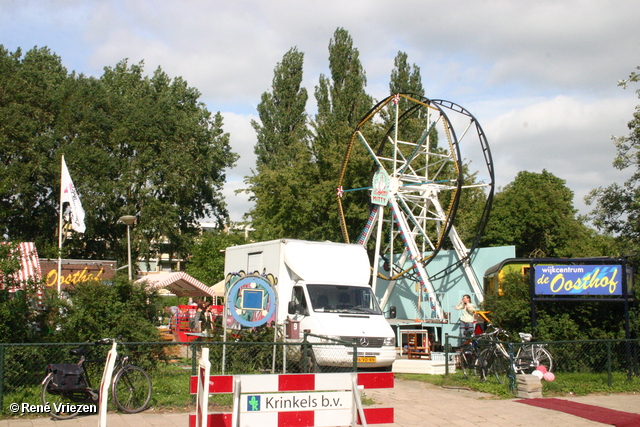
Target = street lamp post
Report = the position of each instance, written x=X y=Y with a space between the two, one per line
x=129 y=220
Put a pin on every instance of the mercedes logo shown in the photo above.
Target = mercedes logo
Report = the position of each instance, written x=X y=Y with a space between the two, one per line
x=364 y=342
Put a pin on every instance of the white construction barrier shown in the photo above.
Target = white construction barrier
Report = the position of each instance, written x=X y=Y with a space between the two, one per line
x=294 y=400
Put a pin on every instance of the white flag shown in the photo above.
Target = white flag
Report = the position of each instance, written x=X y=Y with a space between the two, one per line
x=69 y=194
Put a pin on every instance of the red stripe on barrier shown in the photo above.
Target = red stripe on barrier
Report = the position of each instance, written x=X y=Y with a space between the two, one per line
x=296 y=382
x=376 y=379
x=217 y=384
x=296 y=419
x=378 y=416
x=214 y=420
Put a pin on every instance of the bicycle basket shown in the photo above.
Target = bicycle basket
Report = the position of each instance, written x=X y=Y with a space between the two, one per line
x=66 y=377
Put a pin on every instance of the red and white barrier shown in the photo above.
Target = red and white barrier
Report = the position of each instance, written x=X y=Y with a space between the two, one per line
x=296 y=400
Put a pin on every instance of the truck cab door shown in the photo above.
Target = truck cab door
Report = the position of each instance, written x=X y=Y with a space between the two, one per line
x=298 y=304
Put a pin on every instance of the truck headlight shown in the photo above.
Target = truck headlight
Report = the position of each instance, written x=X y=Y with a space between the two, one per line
x=390 y=341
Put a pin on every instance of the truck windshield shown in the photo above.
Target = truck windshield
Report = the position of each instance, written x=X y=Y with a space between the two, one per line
x=343 y=299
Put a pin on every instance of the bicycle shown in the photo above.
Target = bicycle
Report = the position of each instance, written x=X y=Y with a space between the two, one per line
x=503 y=364
x=67 y=385
x=473 y=354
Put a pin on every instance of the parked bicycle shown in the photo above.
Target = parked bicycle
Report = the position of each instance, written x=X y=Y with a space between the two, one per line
x=68 y=384
x=473 y=354
x=490 y=353
x=500 y=360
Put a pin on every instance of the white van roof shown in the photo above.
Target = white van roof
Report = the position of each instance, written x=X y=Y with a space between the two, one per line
x=327 y=262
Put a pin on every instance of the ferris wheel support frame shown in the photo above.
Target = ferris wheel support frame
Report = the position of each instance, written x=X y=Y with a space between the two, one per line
x=409 y=186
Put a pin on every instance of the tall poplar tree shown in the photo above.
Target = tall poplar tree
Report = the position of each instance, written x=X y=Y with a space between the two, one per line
x=342 y=103
x=283 y=166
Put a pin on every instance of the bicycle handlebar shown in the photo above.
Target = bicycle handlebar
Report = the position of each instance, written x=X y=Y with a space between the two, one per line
x=106 y=341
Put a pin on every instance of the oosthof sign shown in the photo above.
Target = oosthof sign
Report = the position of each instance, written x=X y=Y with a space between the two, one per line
x=574 y=280
x=74 y=272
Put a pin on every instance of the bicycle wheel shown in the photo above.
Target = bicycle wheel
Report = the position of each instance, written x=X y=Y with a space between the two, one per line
x=544 y=358
x=467 y=360
x=131 y=389
x=483 y=363
x=60 y=403
x=500 y=367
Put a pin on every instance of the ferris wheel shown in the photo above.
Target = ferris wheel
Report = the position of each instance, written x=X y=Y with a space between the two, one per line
x=409 y=161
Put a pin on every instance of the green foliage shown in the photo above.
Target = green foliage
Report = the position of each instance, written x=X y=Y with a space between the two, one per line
x=535 y=213
x=280 y=184
x=511 y=311
x=129 y=141
x=124 y=311
x=207 y=256
x=294 y=184
x=24 y=315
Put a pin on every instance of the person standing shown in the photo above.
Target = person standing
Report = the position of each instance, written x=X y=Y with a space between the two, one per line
x=466 y=317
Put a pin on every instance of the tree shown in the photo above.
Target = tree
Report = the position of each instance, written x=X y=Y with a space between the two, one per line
x=535 y=213
x=405 y=78
x=294 y=186
x=616 y=206
x=134 y=145
x=207 y=256
x=283 y=120
x=125 y=311
x=25 y=316
x=33 y=94
x=283 y=167
x=342 y=102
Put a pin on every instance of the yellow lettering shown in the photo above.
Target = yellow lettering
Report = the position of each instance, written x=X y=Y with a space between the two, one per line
x=543 y=280
x=568 y=285
x=553 y=285
x=52 y=278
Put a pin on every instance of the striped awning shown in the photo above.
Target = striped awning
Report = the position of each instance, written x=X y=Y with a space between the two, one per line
x=179 y=283
x=29 y=265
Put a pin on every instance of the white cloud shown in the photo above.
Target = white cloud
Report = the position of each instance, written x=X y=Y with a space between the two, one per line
x=242 y=141
x=539 y=76
x=567 y=137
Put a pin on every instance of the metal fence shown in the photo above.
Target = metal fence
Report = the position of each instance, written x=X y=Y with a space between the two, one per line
x=169 y=364
x=611 y=360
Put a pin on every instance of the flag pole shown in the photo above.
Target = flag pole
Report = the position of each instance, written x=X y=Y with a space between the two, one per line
x=60 y=230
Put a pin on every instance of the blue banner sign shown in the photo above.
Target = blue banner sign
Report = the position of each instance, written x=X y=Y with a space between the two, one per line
x=577 y=280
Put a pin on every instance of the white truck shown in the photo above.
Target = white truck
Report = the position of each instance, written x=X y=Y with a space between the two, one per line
x=325 y=287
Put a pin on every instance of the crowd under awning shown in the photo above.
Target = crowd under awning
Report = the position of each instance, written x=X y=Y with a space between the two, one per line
x=179 y=283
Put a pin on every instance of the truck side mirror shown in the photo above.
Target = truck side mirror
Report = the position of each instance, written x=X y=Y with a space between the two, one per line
x=392 y=312
x=292 y=307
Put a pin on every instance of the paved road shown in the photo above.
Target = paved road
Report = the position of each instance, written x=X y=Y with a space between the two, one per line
x=415 y=403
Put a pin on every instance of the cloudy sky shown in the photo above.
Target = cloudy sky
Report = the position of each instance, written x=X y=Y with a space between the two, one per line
x=541 y=77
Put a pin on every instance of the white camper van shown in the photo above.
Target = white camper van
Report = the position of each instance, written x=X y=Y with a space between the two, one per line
x=325 y=287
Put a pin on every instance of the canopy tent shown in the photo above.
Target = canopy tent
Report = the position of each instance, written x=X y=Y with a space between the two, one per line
x=179 y=283
x=219 y=288
x=29 y=267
